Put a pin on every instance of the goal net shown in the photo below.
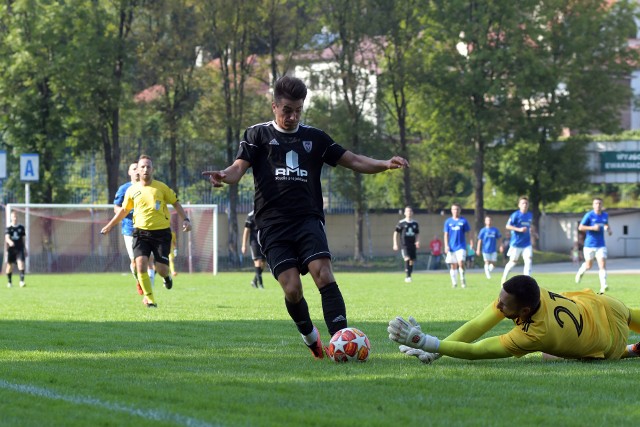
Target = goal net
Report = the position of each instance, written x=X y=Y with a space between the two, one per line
x=65 y=238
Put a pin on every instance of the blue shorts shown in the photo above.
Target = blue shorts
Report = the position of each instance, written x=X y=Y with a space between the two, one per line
x=294 y=244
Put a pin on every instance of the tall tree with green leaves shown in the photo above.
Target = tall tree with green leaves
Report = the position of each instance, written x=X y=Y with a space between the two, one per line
x=231 y=29
x=355 y=62
x=35 y=112
x=468 y=72
x=169 y=38
x=573 y=60
x=100 y=86
x=400 y=28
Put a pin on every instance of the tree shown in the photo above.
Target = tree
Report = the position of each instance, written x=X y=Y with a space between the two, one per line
x=401 y=28
x=566 y=49
x=230 y=27
x=169 y=38
x=102 y=46
x=355 y=63
x=32 y=84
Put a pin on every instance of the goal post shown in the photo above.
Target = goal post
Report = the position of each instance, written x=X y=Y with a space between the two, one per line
x=65 y=238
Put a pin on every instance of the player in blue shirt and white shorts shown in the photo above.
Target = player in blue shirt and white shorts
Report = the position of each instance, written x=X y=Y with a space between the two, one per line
x=595 y=223
x=519 y=224
x=455 y=244
x=487 y=242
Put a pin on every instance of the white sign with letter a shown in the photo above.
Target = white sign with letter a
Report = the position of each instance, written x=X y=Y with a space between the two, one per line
x=30 y=167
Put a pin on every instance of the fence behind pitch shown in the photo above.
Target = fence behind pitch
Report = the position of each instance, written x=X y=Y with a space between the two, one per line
x=65 y=238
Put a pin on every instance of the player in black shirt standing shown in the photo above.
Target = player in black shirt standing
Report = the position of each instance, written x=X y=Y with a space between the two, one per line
x=408 y=230
x=287 y=158
x=15 y=248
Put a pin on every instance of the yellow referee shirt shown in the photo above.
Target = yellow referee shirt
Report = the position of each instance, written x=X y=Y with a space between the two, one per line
x=150 y=205
x=571 y=325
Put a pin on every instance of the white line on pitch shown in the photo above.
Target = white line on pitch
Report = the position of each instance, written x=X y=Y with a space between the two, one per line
x=152 y=414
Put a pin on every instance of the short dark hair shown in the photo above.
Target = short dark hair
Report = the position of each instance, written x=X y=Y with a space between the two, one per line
x=525 y=289
x=290 y=88
x=144 y=156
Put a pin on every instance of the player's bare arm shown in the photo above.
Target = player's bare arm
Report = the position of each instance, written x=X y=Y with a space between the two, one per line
x=230 y=175
x=186 y=223
x=122 y=212
x=245 y=238
x=364 y=164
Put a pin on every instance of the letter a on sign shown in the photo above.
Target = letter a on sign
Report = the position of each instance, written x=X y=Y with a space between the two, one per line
x=30 y=167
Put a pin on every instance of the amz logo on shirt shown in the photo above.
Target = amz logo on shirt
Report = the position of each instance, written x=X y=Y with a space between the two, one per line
x=293 y=167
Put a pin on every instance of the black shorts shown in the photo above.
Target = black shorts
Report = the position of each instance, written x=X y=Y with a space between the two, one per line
x=294 y=244
x=156 y=242
x=14 y=254
x=409 y=252
x=256 y=251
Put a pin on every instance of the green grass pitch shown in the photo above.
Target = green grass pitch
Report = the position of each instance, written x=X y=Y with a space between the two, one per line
x=80 y=350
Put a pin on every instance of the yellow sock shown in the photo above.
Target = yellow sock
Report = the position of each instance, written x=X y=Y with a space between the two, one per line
x=145 y=284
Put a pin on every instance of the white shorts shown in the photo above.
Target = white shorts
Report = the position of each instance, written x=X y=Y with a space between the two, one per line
x=491 y=257
x=515 y=253
x=128 y=243
x=591 y=253
x=455 y=257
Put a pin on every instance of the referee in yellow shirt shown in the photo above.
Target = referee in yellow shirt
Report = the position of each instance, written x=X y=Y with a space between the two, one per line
x=149 y=200
x=569 y=325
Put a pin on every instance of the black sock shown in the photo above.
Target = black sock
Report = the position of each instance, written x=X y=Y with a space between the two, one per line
x=409 y=269
x=406 y=268
x=9 y=277
x=335 y=312
x=22 y=275
x=299 y=313
x=258 y=278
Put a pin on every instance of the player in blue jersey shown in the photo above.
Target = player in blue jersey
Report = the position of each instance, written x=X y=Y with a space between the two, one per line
x=408 y=230
x=287 y=158
x=127 y=222
x=455 y=244
x=594 y=224
x=488 y=245
x=520 y=223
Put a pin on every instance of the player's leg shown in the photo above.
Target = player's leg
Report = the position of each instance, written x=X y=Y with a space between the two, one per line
x=527 y=258
x=277 y=246
x=513 y=254
x=589 y=255
x=9 y=267
x=601 y=258
x=142 y=251
x=405 y=258
x=487 y=263
x=21 y=268
x=461 y=256
x=258 y=262
x=161 y=248
x=452 y=262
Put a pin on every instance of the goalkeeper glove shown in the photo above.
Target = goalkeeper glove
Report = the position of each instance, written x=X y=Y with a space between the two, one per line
x=410 y=333
x=423 y=356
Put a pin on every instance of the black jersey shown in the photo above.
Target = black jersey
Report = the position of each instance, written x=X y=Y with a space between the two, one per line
x=16 y=233
x=250 y=223
x=286 y=170
x=408 y=231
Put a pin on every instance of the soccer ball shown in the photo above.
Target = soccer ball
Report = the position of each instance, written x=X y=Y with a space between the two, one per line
x=349 y=345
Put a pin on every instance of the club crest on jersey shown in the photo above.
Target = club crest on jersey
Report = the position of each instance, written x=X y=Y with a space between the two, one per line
x=307 y=146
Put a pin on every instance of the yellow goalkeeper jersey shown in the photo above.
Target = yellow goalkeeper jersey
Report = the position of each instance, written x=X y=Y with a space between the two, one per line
x=150 y=205
x=573 y=325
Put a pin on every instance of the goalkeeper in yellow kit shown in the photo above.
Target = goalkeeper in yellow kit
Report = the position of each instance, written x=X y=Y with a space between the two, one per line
x=571 y=325
x=151 y=220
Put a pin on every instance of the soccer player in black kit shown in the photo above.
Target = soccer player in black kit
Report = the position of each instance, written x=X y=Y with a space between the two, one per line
x=287 y=158
x=408 y=230
x=16 y=250
x=250 y=236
